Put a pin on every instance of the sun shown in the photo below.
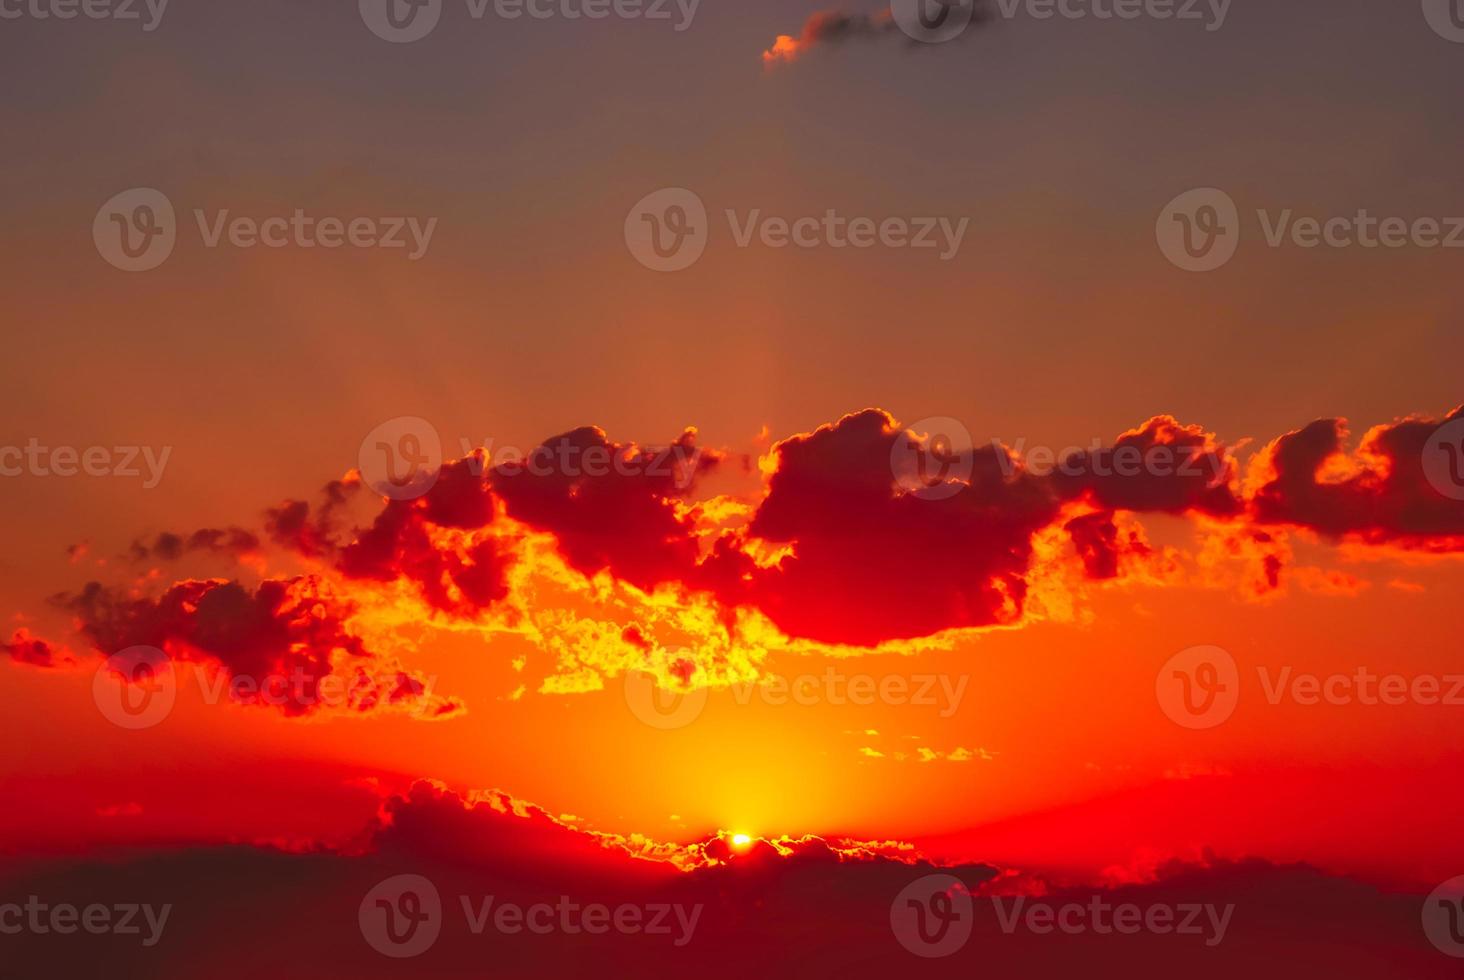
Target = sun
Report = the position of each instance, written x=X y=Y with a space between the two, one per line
x=741 y=841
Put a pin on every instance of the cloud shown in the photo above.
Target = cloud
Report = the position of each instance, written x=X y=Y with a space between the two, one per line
x=26 y=649
x=1380 y=494
x=612 y=558
x=829 y=27
x=276 y=644
x=231 y=542
x=811 y=899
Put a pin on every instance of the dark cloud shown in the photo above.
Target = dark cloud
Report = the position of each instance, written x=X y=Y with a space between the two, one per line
x=1381 y=494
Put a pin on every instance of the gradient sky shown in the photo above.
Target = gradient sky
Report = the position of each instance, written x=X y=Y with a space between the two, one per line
x=1059 y=322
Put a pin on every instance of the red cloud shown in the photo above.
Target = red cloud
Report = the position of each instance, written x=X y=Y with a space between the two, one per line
x=1380 y=495
x=276 y=644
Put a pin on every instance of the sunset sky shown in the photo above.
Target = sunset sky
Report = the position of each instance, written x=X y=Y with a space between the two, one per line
x=515 y=630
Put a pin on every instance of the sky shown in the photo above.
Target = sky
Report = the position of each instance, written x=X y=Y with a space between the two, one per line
x=773 y=413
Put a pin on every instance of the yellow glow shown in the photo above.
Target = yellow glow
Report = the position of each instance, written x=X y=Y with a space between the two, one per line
x=741 y=840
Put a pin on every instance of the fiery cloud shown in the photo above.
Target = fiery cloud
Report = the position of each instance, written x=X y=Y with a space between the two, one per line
x=635 y=568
